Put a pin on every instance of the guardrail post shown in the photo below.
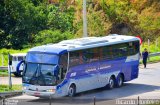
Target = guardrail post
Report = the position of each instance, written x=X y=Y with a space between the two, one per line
x=3 y=101
x=50 y=100
x=138 y=100
x=94 y=100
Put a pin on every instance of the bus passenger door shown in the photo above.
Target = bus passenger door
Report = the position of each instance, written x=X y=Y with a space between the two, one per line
x=62 y=67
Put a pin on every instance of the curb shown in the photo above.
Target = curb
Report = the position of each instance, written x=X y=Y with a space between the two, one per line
x=4 y=95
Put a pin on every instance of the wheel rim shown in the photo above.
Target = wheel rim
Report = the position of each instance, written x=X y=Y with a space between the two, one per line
x=120 y=81
x=111 y=83
x=71 y=91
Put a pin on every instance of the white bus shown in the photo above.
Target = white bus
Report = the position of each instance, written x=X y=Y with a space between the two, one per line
x=16 y=59
x=79 y=65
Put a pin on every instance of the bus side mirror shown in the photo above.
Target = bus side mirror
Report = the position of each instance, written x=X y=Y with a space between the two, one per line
x=56 y=71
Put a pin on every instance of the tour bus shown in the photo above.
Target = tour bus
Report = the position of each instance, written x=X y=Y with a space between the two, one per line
x=16 y=65
x=78 y=65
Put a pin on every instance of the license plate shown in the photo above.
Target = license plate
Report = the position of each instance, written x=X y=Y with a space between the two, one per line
x=37 y=94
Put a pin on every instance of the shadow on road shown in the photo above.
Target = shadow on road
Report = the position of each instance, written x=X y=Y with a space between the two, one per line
x=101 y=94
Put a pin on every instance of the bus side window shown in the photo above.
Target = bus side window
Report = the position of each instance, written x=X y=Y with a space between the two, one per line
x=136 y=46
x=106 y=53
x=115 y=51
x=87 y=55
x=63 y=66
x=74 y=58
x=131 y=48
x=93 y=54
x=123 y=50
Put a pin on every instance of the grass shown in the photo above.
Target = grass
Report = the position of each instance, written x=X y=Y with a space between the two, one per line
x=5 y=88
x=152 y=59
x=4 y=73
x=158 y=103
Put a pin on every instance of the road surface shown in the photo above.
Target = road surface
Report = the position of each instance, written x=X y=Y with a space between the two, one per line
x=147 y=86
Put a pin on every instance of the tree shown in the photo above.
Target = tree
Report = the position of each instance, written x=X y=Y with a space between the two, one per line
x=50 y=36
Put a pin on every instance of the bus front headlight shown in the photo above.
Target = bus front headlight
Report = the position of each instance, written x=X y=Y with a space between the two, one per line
x=50 y=90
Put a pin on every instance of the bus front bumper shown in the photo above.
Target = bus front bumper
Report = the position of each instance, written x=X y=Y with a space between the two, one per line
x=40 y=94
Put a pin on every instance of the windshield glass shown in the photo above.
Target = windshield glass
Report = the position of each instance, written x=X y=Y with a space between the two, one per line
x=39 y=74
x=42 y=58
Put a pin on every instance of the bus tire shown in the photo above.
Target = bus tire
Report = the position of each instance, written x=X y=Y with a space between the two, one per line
x=120 y=81
x=17 y=74
x=72 y=91
x=111 y=84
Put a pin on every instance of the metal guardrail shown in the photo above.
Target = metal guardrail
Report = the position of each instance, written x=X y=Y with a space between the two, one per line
x=154 y=54
x=3 y=68
x=150 y=55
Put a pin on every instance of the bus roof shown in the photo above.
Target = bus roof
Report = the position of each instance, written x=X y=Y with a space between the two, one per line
x=19 y=54
x=83 y=43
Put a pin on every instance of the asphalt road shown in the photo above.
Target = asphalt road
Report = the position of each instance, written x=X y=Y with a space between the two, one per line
x=147 y=86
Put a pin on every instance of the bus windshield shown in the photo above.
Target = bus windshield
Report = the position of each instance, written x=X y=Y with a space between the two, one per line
x=40 y=74
x=42 y=58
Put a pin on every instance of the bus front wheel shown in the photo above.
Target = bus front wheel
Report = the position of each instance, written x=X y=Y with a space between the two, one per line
x=111 y=83
x=72 y=91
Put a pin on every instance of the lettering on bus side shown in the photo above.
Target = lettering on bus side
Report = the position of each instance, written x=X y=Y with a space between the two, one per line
x=104 y=67
x=91 y=69
x=100 y=68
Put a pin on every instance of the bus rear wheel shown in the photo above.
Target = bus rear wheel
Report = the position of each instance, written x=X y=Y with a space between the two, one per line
x=120 y=81
x=111 y=83
x=72 y=91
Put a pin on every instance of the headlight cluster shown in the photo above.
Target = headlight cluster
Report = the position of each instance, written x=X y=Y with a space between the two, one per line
x=50 y=90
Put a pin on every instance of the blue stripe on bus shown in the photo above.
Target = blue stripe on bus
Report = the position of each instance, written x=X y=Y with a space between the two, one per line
x=115 y=65
x=62 y=84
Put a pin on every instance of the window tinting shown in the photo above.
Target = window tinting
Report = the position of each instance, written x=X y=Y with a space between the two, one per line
x=104 y=53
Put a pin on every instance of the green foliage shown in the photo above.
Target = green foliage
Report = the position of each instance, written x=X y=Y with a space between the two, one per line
x=23 y=22
x=98 y=25
x=50 y=36
x=152 y=46
x=59 y=19
x=3 y=73
x=21 y=19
